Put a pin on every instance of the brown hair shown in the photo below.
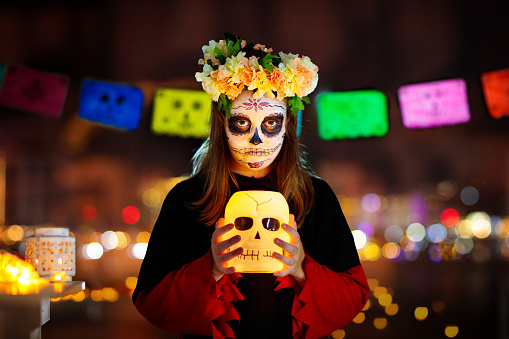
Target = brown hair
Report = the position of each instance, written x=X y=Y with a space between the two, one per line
x=212 y=162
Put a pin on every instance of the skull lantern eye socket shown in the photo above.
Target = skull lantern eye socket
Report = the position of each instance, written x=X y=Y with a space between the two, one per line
x=270 y=224
x=243 y=223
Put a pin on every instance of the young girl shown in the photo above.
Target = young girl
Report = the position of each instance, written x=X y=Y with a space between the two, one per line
x=185 y=284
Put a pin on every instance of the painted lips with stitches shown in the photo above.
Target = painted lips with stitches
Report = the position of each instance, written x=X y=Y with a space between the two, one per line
x=255 y=151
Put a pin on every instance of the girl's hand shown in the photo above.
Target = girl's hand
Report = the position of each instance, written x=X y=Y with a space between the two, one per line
x=220 y=253
x=295 y=253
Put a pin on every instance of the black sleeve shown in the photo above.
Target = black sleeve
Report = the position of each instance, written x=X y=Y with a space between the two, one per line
x=176 y=239
x=325 y=234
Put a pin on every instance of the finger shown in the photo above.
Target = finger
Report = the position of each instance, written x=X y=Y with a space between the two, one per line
x=293 y=223
x=292 y=232
x=289 y=261
x=223 y=245
x=221 y=231
x=229 y=255
x=219 y=223
x=282 y=273
x=291 y=249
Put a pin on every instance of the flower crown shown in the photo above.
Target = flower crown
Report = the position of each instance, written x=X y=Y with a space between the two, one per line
x=231 y=65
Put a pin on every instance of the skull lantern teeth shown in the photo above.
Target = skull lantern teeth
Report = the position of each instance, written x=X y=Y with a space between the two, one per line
x=257 y=217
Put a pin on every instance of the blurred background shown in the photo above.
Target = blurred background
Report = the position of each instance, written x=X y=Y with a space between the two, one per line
x=429 y=208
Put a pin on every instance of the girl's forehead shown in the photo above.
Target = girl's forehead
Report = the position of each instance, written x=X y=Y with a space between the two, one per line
x=258 y=108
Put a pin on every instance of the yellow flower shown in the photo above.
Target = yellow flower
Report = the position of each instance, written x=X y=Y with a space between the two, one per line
x=234 y=65
x=262 y=84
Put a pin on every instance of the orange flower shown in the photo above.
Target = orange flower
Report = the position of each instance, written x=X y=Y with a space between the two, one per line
x=278 y=82
x=248 y=76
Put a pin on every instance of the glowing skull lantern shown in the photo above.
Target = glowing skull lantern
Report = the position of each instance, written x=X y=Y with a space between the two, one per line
x=258 y=217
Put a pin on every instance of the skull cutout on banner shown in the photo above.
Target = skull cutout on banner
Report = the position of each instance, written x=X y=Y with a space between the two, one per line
x=257 y=217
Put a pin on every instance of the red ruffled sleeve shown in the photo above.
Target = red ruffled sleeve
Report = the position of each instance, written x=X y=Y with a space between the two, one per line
x=191 y=301
x=327 y=301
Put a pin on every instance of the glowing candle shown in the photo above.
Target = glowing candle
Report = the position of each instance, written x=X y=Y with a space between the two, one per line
x=52 y=252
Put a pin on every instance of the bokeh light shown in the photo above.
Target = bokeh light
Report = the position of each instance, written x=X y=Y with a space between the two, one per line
x=378 y=291
x=130 y=282
x=366 y=227
x=481 y=228
x=110 y=294
x=446 y=189
x=123 y=239
x=469 y=195
x=89 y=212
x=359 y=238
x=436 y=233
x=371 y=203
x=385 y=299
x=130 y=214
x=451 y=331
x=416 y=232
x=359 y=318
x=435 y=253
x=393 y=233
x=338 y=334
x=139 y=250
x=143 y=236
x=371 y=251
x=93 y=250
x=151 y=197
x=463 y=246
x=13 y=234
x=380 y=323
x=392 y=309
x=464 y=229
x=391 y=250
x=421 y=313
x=450 y=217
x=502 y=228
x=109 y=240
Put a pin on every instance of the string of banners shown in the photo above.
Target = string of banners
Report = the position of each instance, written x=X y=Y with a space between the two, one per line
x=185 y=113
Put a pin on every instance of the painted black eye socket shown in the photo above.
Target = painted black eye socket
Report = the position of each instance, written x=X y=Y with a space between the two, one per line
x=243 y=223
x=270 y=224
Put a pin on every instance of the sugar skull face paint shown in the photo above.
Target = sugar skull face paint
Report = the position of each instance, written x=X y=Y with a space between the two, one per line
x=255 y=131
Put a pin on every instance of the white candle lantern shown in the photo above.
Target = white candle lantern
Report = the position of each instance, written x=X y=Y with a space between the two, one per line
x=52 y=252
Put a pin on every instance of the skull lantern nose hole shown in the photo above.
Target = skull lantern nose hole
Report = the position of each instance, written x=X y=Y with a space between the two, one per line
x=257 y=235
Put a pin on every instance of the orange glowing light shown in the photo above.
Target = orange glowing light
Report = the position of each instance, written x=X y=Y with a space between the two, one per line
x=59 y=276
x=450 y=217
x=451 y=331
x=421 y=313
x=496 y=88
x=359 y=318
x=392 y=309
x=18 y=276
x=380 y=323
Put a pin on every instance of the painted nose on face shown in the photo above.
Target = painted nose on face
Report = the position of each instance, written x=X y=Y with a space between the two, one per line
x=255 y=140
